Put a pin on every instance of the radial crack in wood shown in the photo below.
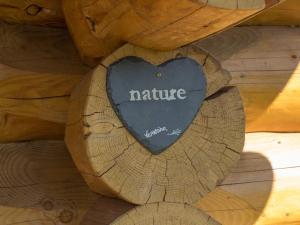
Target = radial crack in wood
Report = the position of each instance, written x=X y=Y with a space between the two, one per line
x=114 y=163
x=165 y=213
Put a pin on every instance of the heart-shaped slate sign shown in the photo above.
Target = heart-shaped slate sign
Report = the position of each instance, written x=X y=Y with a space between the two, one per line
x=156 y=103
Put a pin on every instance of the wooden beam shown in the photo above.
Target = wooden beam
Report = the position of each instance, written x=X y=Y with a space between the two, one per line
x=264 y=187
x=33 y=105
x=98 y=29
x=39 y=184
x=38 y=69
x=37 y=12
x=285 y=14
x=264 y=63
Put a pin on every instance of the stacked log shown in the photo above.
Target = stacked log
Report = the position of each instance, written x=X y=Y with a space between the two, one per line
x=267 y=87
x=264 y=65
x=114 y=163
x=37 y=12
x=100 y=28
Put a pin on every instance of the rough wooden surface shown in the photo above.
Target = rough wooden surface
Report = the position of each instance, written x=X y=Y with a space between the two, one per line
x=39 y=49
x=33 y=105
x=286 y=14
x=38 y=12
x=263 y=62
x=165 y=213
x=39 y=185
x=38 y=69
x=264 y=187
x=98 y=28
x=114 y=163
x=264 y=65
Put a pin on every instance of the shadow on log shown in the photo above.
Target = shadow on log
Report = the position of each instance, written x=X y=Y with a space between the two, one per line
x=115 y=163
x=37 y=12
x=40 y=185
x=98 y=29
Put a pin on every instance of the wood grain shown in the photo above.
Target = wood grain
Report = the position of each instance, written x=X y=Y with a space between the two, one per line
x=263 y=62
x=100 y=27
x=285 y=14
x=165 y=213
x=39 y=49
x=39 y=185
x=264 y=187
x=114 y=163
x=33 y=105
x=264 y=65
x=37 y=12
x=38 y=69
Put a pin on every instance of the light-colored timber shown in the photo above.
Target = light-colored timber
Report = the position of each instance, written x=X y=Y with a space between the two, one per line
x=39 y=49
x=262 y=190
x=165 y=213
x=114 y=163
x=33 y=105
x=40 y=185
x=264 y=63
x=38 y=69
x=264 y=187
x=37 y=12
x=100 y=27
x=285 y=14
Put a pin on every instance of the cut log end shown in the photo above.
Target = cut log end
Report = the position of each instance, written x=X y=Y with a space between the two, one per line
x=114 y=163
x=165 y=213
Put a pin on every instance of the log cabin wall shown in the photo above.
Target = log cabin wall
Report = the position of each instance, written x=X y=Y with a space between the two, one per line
x=264 y=187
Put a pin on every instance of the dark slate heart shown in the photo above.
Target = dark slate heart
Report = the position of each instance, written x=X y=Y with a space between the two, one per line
x=156 y=103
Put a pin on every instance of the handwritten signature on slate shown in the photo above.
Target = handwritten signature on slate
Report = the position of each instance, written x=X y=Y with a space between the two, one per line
x=158 y=130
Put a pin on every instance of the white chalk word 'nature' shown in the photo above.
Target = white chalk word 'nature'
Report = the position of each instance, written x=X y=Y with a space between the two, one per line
x=156 y=95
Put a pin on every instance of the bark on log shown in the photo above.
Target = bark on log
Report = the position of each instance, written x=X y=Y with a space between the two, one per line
x=188 y=170
x=98 y=28
x=37 y=12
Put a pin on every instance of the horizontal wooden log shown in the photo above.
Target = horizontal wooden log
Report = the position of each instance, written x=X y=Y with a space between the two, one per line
x=37 y=12
x=285 y=14
x=263 y=62
x=264 y=65
x=100 y=28
x=38 y=69
x=39 y=49
x=263 y=188
x=33 y=105
x=40 y=185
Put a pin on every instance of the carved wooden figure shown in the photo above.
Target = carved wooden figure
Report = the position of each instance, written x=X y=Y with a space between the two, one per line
x=115 y=160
